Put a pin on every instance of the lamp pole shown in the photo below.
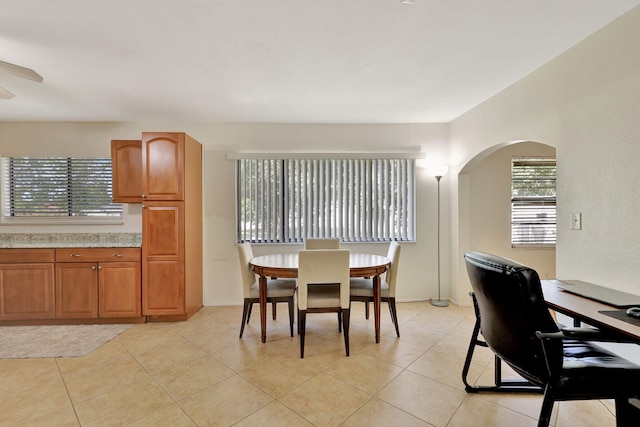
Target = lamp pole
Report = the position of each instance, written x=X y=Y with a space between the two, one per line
x=439 y=302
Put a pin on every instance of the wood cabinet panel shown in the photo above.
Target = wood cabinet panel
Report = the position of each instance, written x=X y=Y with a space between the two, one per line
x=76 y=290
x=126 y=171
x=163 y=166
x=163 y=289
x=27 y=291
x=162 y=229
x=119 y=289
x=97 y=254
x=15 y=256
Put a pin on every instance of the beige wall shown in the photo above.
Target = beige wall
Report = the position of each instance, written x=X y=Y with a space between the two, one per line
x=584 y=103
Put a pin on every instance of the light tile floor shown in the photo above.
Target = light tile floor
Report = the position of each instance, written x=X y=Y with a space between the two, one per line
x=199 y=373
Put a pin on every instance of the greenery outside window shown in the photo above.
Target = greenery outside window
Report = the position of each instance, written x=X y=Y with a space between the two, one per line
x=57 y=188
x=355 y=200
x=533 y=202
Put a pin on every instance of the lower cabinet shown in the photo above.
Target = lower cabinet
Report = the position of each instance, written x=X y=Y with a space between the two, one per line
x=27 y=284
x=98 y=283
x=73 y=284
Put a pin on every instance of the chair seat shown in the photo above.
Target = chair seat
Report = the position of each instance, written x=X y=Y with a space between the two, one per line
x=364 y=288
x=275 y=288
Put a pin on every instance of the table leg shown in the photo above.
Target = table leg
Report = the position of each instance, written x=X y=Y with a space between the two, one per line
x=262 y=284
x=376 y=305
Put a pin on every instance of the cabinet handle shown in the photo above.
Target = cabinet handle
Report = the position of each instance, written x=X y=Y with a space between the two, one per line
x=99 y=267
x=118 y=255
x=76 y=255
x=143 y=196
x=93 y=267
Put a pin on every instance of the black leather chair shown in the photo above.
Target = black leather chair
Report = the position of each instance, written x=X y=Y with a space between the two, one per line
x=517 y=326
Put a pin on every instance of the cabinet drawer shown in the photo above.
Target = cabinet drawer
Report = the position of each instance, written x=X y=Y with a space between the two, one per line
x=97 y=254
x=15 y=256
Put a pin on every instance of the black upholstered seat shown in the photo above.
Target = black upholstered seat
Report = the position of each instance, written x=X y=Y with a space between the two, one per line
x=565 y=363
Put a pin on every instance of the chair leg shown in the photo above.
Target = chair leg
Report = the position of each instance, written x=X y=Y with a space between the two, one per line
x=290 y=302
x=394 y=314
x=547 y=408
x=366 y=309
x=273 y=310
x=346 y=314
x=340 y=321
x=249 y=313
x=302 y=323
x=246 y=311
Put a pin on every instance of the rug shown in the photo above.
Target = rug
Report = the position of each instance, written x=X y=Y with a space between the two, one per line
x=18 y=342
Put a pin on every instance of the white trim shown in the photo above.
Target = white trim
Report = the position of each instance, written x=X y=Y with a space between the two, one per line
x=9 y=221
x=312 y=156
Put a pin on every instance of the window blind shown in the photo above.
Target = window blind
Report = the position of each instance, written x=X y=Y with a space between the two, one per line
x=354 y=200
x=57 y=187
x=533 y=201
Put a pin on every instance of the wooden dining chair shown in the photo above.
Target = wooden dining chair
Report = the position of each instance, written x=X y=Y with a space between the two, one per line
x=329 y=243
x=323 y=287
x=362 y=289
x=278 y=290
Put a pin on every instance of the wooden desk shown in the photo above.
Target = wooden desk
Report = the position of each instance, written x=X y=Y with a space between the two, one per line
x=286 y=266
x=586 y=310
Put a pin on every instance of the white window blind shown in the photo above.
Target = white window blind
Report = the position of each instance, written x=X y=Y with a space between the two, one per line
x=533 y=201
x=350 y=199
x=58 y=187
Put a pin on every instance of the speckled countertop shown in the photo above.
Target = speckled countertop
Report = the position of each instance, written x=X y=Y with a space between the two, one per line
x=70 y=240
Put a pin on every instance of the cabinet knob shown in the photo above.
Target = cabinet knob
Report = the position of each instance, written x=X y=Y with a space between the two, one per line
x=99 y=267
x=93 y=267
x=143 y=196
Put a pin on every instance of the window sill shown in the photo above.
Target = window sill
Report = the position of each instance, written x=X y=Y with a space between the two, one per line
x=60 y=221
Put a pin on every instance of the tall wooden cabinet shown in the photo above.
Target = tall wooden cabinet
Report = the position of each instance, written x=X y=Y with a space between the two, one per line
x=171 y=226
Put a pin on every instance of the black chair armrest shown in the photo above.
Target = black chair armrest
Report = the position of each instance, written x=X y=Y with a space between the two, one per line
x=585 y=334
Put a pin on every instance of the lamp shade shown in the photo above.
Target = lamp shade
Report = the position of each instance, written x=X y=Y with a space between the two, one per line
x=431 y=168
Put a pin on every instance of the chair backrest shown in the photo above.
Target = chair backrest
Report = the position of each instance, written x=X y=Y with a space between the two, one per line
x=394 y=255
x=321 y=244
x=245 y=254
x=512 y=308
x=323 y=266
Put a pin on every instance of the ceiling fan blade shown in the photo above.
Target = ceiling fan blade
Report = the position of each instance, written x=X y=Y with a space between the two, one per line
x=5 y=94
x=16 y=70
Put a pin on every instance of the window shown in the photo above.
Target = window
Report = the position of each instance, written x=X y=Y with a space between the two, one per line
x=286 y=201
x=57 y=187
x=533 y=201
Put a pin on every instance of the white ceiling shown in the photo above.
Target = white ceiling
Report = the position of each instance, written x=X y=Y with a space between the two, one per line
x=284 y=61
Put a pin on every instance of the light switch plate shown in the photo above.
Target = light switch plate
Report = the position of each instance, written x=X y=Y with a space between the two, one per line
x=576 y=220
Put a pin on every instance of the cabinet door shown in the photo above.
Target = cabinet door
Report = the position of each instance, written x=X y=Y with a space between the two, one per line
x=163 y=166
x=27 y=291
x=119 y=289
x=163 y=287
x=126 y=170
x=76 y=290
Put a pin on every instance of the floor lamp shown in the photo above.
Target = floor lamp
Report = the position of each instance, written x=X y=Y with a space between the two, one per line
x=439 y=302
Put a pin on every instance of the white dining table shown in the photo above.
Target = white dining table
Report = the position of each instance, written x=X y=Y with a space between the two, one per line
x=285 y=265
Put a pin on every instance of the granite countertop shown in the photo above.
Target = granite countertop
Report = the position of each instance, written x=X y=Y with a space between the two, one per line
x=70 y=240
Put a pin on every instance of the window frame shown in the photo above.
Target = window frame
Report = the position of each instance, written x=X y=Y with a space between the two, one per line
x=288 y=184
x=6 y=217
x=541 y=203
